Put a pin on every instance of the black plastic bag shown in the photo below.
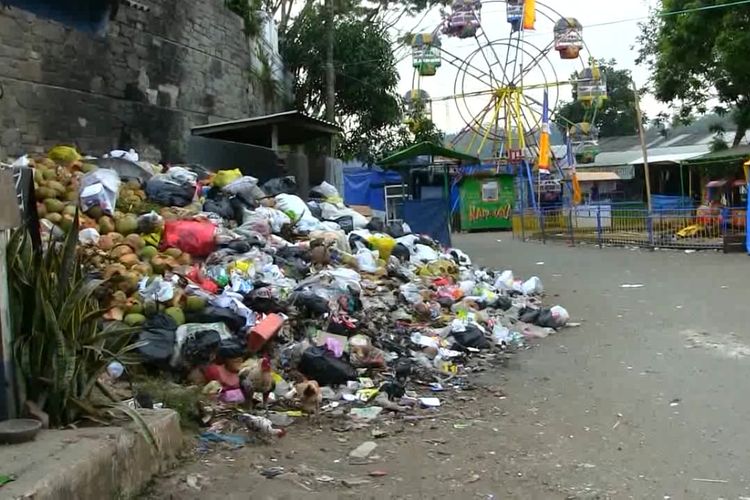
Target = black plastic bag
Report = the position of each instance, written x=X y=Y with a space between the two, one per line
x=395 y=229
x=280 y=185
x=220 y=206
x=503 y=303
x=232 y=348
x=313 y=304
x=346 y=223
x=401 y=252
x=158 y=338
x=471 y=337
x=315 y=209
x=262 y=300
x=200 y=347
x=212 y=314
x=168 y=193
x=529 y=315
x=319 y=364
x=376 y=225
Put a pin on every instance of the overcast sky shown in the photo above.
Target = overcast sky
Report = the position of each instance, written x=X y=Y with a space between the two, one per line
x=612 y=40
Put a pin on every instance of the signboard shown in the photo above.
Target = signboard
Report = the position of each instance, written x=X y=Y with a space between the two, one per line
x=487 y=202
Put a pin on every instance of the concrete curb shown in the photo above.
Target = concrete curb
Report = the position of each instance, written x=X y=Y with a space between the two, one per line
x=91 y=464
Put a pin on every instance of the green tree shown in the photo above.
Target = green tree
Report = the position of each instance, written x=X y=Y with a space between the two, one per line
x=368 y=106
x=700 y=55
x=617 y=116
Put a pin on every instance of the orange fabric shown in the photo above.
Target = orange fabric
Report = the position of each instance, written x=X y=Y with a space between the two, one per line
x=577 y=197
x=529 y=14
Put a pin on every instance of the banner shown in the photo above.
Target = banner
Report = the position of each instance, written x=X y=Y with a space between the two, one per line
x=529 y=14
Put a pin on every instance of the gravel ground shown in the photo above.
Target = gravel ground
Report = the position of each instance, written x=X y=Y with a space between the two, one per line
x=644 y=400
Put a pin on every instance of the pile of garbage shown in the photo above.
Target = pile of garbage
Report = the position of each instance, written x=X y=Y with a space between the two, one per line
x=261 y=298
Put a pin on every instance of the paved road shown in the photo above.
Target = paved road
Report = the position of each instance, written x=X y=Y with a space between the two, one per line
x=650 y=394
x=647 y=399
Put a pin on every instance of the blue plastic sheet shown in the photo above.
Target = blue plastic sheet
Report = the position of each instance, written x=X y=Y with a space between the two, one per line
x=429 y=217
x=365 y=186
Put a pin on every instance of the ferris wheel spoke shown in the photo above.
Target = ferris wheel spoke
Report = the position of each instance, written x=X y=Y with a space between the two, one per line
x=535 y=61
x=465 y=65
x=494 y=53
x=487 y=61
x=515 y=37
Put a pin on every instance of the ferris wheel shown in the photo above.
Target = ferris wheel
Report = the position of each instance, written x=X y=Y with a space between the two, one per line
x=521 y=55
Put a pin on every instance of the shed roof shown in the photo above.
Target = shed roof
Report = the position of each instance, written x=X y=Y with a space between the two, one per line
x=293 y=127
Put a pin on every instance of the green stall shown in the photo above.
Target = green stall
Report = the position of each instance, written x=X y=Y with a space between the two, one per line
x=487 y=202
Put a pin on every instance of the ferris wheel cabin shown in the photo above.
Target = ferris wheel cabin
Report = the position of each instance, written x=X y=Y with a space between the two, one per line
x=464 y=19
x=591 y=87
x=514 y=13
x=425 y=53
x=568 y=37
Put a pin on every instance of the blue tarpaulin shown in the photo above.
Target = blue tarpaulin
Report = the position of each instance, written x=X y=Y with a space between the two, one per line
x=666 y=202
x=429 y=217
x=364 y=186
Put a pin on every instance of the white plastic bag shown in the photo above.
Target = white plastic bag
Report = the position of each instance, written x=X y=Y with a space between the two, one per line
x=532 y=286
x=334 y=211
x=130 y=155
x=366 y=260
x=276 y=218
x=504 y=281
x=294 y=207
x=88 y=236
x=560 y=316
x=423 y=253
x=99 y=188
x=329 y=192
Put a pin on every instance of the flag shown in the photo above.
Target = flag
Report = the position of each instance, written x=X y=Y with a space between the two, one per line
x=571 y=159
x=544 y=136
x=529 y=14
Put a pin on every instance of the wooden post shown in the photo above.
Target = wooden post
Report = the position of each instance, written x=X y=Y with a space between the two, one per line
x=642 y=135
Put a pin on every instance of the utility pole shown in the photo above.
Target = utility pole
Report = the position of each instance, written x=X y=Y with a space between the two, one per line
x=642 y=135
x=330 y=71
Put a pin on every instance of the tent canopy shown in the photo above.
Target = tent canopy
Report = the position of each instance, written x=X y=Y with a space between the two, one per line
x=402 y=158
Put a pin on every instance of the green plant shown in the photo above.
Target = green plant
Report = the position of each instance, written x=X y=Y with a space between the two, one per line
x=249 y=11
x=61 y=347
x=263 y=76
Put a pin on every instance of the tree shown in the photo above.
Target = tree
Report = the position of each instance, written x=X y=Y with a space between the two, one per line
x=367 y=102
x=700 y=55
x=617 y=116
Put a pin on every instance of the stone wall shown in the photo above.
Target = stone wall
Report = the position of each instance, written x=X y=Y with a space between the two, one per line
x=163 y=67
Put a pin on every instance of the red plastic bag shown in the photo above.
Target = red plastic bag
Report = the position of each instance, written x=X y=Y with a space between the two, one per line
x=191 y=236
x=206 y=283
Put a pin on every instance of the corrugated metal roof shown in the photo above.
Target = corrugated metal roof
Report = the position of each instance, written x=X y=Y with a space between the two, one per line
x=597 y=176
x=608 y=159
x=672 y=155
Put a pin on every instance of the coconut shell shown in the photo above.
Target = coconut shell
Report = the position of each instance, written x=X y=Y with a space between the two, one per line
x=129 y=260
x=105 y=242
x=135 y=241
x=120 y=250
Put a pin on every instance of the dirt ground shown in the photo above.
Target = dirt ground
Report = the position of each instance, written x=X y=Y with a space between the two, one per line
x=647 y=399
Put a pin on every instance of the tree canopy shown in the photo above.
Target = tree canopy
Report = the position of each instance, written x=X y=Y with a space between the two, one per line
x=617 y=116
x=700 y=55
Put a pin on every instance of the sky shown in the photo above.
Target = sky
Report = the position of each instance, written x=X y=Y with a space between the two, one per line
x=614 y=40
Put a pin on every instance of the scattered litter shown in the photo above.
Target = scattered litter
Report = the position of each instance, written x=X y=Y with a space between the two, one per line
x=632 y=285
x=363 y=451
x=719 y=481
x=272 y=472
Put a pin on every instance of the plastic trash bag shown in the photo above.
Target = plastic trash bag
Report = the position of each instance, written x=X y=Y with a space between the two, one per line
x=423 y=253
x=280 y=185
x=294 y=207
x=150 y=223
x=220 y=206
x=471 y=336
x=328 y=192
x=366 y=261
x=331 y=211
x=246 y=188
x=504 y=281
x=156 y=340
x=225 y=177
x=88 y=236
x=319 y=364
x=99 y=188
x=164 y=190
x=554 y=317
x=383 y=244
x=532 y=286
x=191 y=236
